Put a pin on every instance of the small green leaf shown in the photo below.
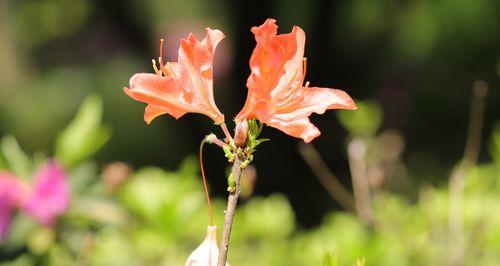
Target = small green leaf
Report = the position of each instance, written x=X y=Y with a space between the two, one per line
x=85 y=135
x=495 y=142
x=228 y=153
x=15 y=157
x=3 y=164
x=231 y=183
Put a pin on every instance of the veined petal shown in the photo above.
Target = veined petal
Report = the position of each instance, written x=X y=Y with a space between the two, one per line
x=160 y=92
x=276 y=68
x=310 y=100
x=300 y=128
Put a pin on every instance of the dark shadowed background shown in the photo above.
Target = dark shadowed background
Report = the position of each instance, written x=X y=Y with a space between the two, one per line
x=418 y=59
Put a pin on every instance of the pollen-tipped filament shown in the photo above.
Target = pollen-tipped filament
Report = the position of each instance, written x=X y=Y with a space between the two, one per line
x=162 y=70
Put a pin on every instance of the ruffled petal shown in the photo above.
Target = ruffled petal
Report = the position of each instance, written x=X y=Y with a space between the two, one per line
x=158 y=91
x=300 y=128
x=152 y=112
x=276 y=96
x=314 y=100
x=276 y=69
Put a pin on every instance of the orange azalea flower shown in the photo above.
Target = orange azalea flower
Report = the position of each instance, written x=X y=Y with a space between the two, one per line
x=276 y=95
x=181 y=87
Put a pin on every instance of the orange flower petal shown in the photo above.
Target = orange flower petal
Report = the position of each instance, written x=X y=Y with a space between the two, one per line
x=275 y=92
x=187 y=86
x=152 y=112
x=308 y=100
x=300 y=128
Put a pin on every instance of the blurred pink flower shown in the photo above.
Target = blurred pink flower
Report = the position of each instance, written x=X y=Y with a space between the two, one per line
x=13 y=191
x=50 y=195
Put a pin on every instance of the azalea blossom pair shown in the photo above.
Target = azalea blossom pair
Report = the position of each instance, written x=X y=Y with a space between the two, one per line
x=45 y=199
x=277 y=95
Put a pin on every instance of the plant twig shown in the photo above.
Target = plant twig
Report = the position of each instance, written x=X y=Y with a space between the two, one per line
x=456 y=183
x=205 y=186
x=357 y=164
x=329 y=181
x=232 y=201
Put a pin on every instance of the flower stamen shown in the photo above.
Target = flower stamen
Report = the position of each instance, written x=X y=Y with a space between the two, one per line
x=155 y=68
x=160 y=58
x=304 y=65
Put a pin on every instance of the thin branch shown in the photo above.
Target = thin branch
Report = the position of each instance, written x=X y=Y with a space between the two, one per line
x=205 y=186
x=229 y=213
x=357 y=164
x=472 y=146
x=226 y=132
x=456 y=183
x=327 y=179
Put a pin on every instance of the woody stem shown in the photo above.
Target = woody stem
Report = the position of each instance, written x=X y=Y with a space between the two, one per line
x=229 y=213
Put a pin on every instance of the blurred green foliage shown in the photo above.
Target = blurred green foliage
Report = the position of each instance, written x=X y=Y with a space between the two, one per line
x=366 y=120
x=17 y=161
x=53 y=53
x=157 y=217
x=84 y=135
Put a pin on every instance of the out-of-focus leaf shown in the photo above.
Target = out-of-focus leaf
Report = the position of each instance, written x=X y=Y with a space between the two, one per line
x=360 y=262
x=189 y=167
x=17 y=160
x=98 y=210
x=85 y=135
x=39 y=159
x=82 y=177
x=60 y=256
x=41 y=240
x=269 y=218
x=54 y=18
x=20 y=230
x=23 y=260
x=147 y=192
x=111 y=247
x=3 y=164
x=365 y=121
x=330 y=259
x=495 y=143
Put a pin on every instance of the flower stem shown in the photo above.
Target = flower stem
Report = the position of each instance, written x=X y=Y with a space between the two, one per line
x=457 y=182
x=329 y=181
x=205 y=186
x=226 y=132
x=229 y=213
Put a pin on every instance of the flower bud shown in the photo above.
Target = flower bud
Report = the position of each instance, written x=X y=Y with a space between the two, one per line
x=240 y=134
x=207 y=253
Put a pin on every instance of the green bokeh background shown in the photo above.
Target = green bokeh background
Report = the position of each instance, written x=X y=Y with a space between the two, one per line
x=410 y=64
